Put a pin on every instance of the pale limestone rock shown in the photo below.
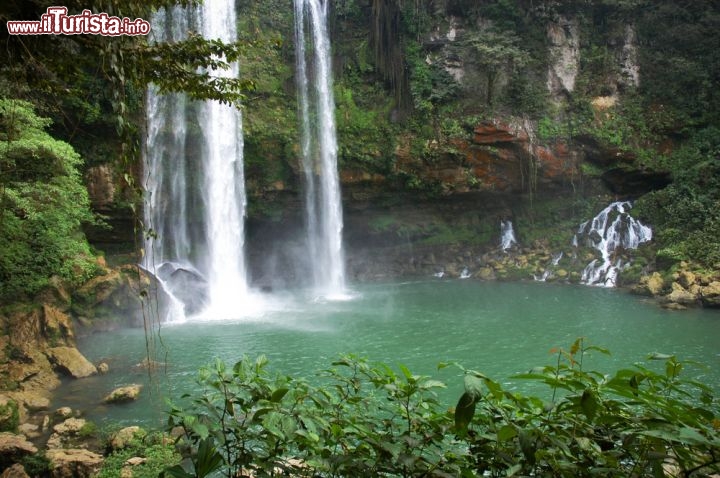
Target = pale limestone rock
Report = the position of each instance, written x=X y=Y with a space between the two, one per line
x=485 y=273
x=15 y=446
x=651 y=285
x=71 y=426
x=564 y=36
x=710 y=294
x=680 y=296
x=122 y=438
x=64 y=412
x=15 y=471
x=629 y=63
x=74 y=463
x=103 y=368
x=30 y=430
x=123 y=394
x=70 y=361
x=35 y=403
x=686 y=279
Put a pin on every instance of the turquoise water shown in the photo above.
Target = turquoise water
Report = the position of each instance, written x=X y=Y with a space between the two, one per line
x=497 y=328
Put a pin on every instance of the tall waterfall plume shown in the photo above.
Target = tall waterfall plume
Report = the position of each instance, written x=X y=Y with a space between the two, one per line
x=319 y=147
x=195 y=183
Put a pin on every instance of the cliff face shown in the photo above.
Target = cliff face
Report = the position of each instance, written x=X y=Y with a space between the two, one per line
x=453 y=115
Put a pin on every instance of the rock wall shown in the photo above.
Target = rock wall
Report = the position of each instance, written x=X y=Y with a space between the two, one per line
x=564 y=38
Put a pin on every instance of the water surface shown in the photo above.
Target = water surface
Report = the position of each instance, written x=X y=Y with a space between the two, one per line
x=497 y=328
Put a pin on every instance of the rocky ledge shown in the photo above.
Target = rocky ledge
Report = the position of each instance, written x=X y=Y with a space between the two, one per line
x=684 y=287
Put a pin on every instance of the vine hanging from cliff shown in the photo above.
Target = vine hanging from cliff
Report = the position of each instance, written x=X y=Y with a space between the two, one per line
x=386 y=41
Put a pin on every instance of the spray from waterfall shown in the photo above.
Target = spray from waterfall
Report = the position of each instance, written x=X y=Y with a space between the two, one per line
x=612 y=231
x=319 y=148
x=195 y=183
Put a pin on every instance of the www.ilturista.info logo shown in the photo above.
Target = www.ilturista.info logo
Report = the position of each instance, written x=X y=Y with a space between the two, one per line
x=56 y=21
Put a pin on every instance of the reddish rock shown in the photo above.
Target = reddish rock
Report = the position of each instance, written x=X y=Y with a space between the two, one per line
x=499 y=132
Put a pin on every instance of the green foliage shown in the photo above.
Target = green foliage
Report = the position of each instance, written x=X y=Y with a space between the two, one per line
x=9 y=417
x=497 y=52
x=370 y=420
x=430 y=85
x=89 y=429
x=366 y=420
x=687 y=213
x=363 y=135
x=158 y=454
x=43 y=203
x=37 y=464
x=679 y=71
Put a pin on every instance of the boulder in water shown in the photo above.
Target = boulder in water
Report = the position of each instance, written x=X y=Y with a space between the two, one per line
x=123 y=394
x=69 y=361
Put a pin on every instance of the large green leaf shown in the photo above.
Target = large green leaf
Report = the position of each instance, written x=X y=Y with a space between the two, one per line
x=464 y=412
x=207 y=459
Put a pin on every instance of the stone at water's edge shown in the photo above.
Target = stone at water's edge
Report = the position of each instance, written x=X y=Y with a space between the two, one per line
x=13 y=447
x=681 y=296
x=710 y=295
x=122 y=438
x=651 y=285
x=123 y=394
x=71 y=426
x=70 y=361
x=74 y=463
x=15 y=471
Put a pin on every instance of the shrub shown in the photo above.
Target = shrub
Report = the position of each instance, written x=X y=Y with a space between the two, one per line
x=157 y=453
x=369 y=420
x=43 y=203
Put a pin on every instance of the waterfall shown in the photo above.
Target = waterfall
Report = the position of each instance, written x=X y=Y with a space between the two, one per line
x=507 y=235
x=319 y=148
x=610 y=237
x=195 y=184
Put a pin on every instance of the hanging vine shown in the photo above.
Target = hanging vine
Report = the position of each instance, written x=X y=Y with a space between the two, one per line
x=386 y=43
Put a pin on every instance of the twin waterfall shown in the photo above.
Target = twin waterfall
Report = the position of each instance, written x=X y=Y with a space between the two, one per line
x=196 y=202
x=319 y=148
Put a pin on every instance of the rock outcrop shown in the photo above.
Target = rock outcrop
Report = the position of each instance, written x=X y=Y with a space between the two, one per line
x=74 y=463
x=564 y=37
x=13 y=447
x=15 y=471
x=123 y=394
x=69 y=361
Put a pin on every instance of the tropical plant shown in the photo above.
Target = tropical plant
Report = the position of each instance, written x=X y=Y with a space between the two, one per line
x=43 y=203
x=369 y=420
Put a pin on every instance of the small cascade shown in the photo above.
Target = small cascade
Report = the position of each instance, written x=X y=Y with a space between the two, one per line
x=319 y=148
x=547 y=274
x=507 y=235
x=556 y=258
x=612 y=231
x=465 y=274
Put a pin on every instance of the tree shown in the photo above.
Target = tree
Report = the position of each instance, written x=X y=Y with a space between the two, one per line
x=496 y=53
x=42 y=205
x=51 y=70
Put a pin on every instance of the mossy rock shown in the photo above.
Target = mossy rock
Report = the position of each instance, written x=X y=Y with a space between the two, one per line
x=9 y=415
